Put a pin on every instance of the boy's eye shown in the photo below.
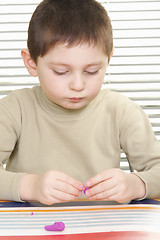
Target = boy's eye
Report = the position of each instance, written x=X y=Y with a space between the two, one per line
x=60 y=72
x=92 y=72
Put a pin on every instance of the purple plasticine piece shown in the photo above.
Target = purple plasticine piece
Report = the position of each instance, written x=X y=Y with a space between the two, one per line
x=57 y=226
x=85 y=189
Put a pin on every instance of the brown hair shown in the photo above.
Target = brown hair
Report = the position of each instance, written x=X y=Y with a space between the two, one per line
x=69 y=21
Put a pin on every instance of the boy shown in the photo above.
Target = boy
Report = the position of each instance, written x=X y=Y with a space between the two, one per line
x=67 y=133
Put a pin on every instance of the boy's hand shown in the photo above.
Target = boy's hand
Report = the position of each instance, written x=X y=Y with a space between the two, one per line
x=115 y=185
x=50 y=187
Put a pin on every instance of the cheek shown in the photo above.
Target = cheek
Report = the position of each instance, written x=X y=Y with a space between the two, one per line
x=97 y=82
x=56 y=88
x=50 y=82
x=95 y=87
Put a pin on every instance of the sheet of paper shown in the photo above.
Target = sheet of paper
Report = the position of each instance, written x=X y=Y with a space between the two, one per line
x=87 y=219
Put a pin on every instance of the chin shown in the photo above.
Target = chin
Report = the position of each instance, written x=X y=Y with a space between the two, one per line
x=75 y=106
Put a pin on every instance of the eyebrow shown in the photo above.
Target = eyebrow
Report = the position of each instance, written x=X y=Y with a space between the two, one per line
x=95 y=64
x=68 y=65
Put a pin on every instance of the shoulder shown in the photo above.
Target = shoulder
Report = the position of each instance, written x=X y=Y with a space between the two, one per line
x=125 y=112
x=18 y=96
x=17 y=100
x=119 y=107
x=110 y=94
x=24 y=93
x=115 y=100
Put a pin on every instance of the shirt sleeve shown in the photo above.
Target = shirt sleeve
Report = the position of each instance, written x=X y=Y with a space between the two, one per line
x=141 y=147
x=10 y=123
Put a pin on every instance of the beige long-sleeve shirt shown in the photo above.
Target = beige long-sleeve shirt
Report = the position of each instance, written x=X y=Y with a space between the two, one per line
x=37 y=135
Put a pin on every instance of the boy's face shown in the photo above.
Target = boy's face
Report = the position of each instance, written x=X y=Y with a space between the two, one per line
x=72 y=76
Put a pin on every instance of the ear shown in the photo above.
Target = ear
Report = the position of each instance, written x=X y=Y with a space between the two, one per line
x=110 y=56
x=29 y=63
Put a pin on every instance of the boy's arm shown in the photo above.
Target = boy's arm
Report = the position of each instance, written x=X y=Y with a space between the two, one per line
x=9 y=185
x=9 y=134
x=115 y=185
x=50 y=187
x=143 y=152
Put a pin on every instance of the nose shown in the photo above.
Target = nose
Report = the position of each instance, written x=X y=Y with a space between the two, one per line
x=77 y=82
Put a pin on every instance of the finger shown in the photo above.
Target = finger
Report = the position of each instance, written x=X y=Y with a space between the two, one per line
x=70 y=181
x=49 y=200
x=115 y=195
x=101 y=187
x=66 y=188
x=62 y=196
x=99 y=178
x=118 y=198
x=105 y=195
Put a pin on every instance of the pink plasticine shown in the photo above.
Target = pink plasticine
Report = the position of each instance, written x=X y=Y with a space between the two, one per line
x=85 y=189
x=57 y=226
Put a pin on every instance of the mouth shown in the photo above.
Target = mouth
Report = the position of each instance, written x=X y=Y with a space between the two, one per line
x=75 y=100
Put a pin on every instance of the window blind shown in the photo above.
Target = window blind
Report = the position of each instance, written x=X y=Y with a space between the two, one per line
x=134 y=69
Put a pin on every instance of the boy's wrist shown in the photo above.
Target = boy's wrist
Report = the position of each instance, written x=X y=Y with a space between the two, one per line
x=27 y=187
x=140 y=187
